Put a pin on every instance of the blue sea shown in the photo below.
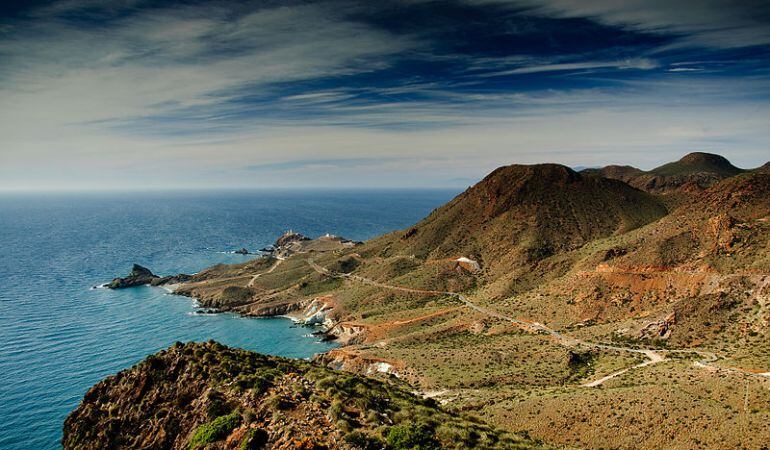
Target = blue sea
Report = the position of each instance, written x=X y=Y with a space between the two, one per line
x=58 y=336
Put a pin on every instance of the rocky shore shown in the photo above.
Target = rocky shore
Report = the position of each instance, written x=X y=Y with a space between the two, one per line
x=312 y=312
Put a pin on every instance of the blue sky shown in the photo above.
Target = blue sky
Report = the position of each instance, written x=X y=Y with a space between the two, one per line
x=143 y=95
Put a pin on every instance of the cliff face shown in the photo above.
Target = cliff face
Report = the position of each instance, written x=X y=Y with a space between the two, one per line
x=210 y=396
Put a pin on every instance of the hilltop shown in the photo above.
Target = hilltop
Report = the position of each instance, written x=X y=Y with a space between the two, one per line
x=546 y=300
x=519 y=215
x=695 y=170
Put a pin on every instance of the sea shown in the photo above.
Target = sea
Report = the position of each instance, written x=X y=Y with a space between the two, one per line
x=59 y=334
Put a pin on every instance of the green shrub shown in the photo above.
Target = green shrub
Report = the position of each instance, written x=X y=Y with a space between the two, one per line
x=337 y=410
x=277 y=402
x=215 y=430
x=217 y=405
x=363 y=440
x=236 y=295
x=411 y=436
x=255 y=439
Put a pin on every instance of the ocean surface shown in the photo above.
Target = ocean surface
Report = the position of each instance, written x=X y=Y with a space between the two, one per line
x=58 y=336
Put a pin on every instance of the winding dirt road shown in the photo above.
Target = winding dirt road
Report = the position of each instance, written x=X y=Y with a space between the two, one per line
x=653 y=356
x=270 y=270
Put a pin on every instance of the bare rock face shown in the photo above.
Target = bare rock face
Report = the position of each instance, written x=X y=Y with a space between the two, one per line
x=721 y=229
x=660 y=329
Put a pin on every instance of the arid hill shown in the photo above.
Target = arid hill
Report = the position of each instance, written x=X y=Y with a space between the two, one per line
x=519 y=215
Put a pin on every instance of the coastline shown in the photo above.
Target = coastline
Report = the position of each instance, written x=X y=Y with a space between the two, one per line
x=320 y=330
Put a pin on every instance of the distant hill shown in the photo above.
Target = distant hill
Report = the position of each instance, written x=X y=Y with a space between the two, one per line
x=698 y=162
x=764 y=168
x=696 y=170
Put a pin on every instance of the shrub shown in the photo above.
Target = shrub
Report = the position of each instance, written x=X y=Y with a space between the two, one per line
x=411 y=436
x=278 y=402
x=255 y=439
x=235 y=295
x=363 y=440
x=337 y=410
x=215 y=430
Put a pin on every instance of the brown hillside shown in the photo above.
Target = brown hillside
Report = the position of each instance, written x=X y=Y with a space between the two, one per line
x=523 y=214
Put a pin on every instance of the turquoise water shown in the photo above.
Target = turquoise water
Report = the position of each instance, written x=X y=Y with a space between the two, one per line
x=58 y=336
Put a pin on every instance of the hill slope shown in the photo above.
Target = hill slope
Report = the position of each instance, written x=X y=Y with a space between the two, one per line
x=522 y=214
x=196 y=396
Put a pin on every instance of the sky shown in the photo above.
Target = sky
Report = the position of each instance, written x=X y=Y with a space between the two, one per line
x=135 y=94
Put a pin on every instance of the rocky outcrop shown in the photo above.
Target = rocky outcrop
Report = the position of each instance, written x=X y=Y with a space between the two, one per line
x=242 y=251
x=660 y=329
x=288 y=238
x=171 y=279
x=139 y=276
x=721 y=228
x=142 y=276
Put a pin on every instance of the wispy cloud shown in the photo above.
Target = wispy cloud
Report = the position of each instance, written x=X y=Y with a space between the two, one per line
x=411 y=92
x=639 y=64
x=319 y=164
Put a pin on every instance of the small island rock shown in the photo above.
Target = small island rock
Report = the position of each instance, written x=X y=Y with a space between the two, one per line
x=139 y=276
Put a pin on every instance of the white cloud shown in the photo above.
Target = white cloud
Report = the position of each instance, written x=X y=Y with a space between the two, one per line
x=575 y=131
x=154 y=63
x=635 y=63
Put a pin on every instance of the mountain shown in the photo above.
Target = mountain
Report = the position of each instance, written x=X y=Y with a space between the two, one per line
x=693 y=171
x=522 y=214
x=543 y=300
